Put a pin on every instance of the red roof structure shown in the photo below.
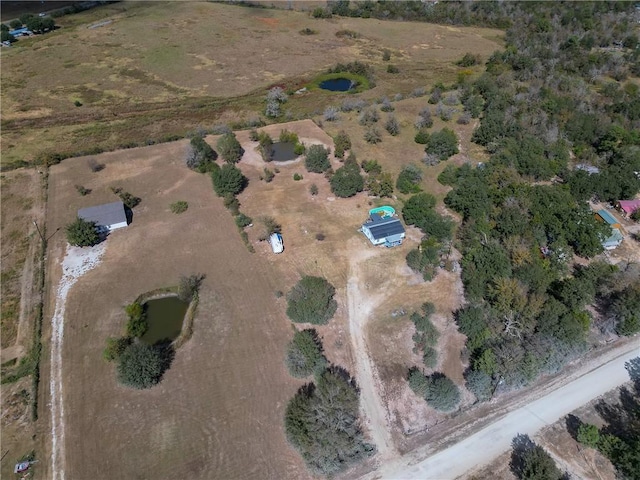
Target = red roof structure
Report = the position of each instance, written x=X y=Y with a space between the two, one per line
x=629 y=206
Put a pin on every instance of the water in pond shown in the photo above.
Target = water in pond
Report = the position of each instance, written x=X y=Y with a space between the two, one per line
x=338 y=84
x=283 y=152
x=164 y=316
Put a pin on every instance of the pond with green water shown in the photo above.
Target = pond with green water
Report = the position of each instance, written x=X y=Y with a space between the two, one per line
x=164 y=317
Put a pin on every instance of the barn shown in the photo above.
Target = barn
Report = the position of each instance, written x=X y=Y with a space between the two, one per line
x=384 y=230
x=108 y=217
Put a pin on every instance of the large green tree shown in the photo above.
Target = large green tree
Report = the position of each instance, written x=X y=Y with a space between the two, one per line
x=229 y=148
x=228 y=180
x=317 y=159
x=304 y=354
x=347 y=181
x=82 y=233
x=311 y=301
x=141 y=366
x=443 y=144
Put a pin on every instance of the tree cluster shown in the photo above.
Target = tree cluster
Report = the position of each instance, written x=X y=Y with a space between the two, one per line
x=311 y=301
x=304 y=355
x=200 y=155
x=81 y=233
x=437 y=389
x=347 y=181
x=317 y=159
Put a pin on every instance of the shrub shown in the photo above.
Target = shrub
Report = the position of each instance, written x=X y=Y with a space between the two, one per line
x=392 y=69
x=371 y=166
x=369 y=117
x=200 y=155
x=297 y=177
x=320 y=12
x=317 y=159
x=188 y=286
x=479 y=383
x=331 y=114
x=268 y=175
x=287 y=136
x=430 y=357
x=409 y=179
x=311 y=301
x=320 y=236
x=277 y=94
x=232 y=204
x=342 y=143
x=351 y=104
x=313 y=189
x=436 y=94
x=386 y=56
x=322 y=424
x=82 y=233
x=424 y=119
x=94 y=166
x=266 y=146
x=254 y=136
x=269 y=226
x=228 y=180
x=422 y=137
x=418 y=92
x=77 y=103
x=437 y=389
x=386 y=105
x=272 y=109
x=445 y=113
x=464 y=119
x=304 y=354
x=308 y=31
x=179 y=207
x=469 y=60
x=588 y=435
x=347 y=33
x=243 y=220
x=230 y=149
x=115 y=347
x=142 y=366
x=137 y=324
x=347 y=181
x=443 y=144
x=82 y=191
x=372 y=135
x=392 y=126
x=128 y=199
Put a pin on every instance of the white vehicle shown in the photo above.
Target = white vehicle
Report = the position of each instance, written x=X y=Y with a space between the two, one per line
x=276 y=243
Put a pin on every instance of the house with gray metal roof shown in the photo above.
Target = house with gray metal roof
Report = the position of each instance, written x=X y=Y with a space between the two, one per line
x=384 y=230
x=108 y=217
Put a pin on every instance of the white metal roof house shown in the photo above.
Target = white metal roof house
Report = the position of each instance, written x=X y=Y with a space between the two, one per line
x=384 y=230
x=108 y=217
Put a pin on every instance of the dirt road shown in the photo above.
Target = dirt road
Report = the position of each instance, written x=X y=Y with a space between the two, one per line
x=361 y=305
x=482 y=447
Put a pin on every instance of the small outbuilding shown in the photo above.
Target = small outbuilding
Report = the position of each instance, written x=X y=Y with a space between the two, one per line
x=607 y=217
x=614 y=240
x=107 y=217
x=628 y=206
x=384 y=230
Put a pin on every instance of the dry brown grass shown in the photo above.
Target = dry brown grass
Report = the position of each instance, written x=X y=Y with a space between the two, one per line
x=164 y=81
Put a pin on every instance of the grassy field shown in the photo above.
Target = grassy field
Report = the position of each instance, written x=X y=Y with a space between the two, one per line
x=183 y=72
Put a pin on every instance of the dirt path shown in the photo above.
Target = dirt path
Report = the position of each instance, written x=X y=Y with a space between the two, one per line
x=76 y=263
x=483 y=446
x=361 y=305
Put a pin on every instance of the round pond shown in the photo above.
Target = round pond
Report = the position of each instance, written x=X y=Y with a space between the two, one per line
x=338 y=84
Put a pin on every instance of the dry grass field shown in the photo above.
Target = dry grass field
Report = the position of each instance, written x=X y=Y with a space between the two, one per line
x=153 y=69
x=224 y=397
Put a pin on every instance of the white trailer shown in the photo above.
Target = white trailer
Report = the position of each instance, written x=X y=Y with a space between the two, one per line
x=276 y=243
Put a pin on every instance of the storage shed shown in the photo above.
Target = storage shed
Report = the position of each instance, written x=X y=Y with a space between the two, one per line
x=108 y=217
x=609 y=218
x=384 y=230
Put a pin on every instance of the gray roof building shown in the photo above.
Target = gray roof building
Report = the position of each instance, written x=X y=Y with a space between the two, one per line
x=107 y=217
x=387 y=230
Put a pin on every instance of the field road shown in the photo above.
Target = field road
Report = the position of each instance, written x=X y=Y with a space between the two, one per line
x=482 y=447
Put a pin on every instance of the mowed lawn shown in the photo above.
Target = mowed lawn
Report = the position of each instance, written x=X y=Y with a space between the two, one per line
x=151 y=68
x=218 y=412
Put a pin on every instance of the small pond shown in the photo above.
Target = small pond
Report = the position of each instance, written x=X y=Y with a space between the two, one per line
x=338 y=84
x=283 y=152
x=165 y=317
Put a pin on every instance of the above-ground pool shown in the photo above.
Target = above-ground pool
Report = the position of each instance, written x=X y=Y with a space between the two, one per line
x=385 y=211
x=338 y=84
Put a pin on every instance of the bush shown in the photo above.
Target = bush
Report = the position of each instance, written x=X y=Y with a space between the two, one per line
x=317 y=159
x=115 y=348
x=347 y=181
x=142 y=366
x=304 y=354
x=442 y=394
x=269 y=227
x=409 y=179
x=430 y=357
x=128 y=199
x=386 y=105
x=179 y=207
x=82 y=191
x=392 y=126
x=232 y=204
x=297 y=177
x=369 y=117
x=200 y=155
x=313 y=189
x=307 y=31
x=392 y=69
x=77 y=103
x=386 y=56
x=424 y=119
x=479 y=383
x=268 y=175
x=311 y=301
x=464 y=119
x=137 y=324
x=254 y=136
x=372 y=135
x=230 y=149
x=422 y=137
x=94 y=166
x=322 y=424
x=445 y=113
x=243 y=220
x=188 y=286
x=443 y=144
x=469 y=60
x=82 y=233
x=331 y=114
x=342 y=142
x=228 y=180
